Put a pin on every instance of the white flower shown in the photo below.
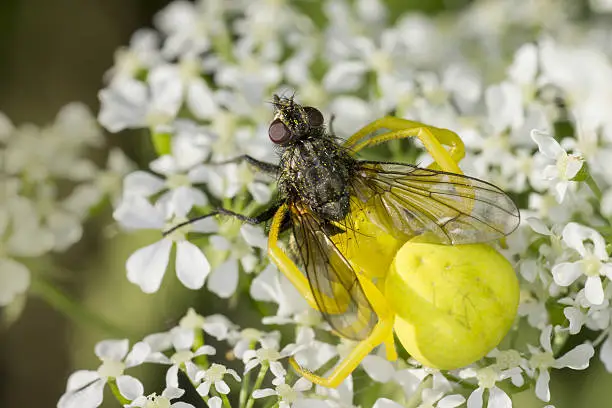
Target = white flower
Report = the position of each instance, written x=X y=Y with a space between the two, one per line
x=146 y=266
x=286 y=393
x=142 y=54
x=566 y=166
x=541 y=361
x=239 y=246
x=136 y=395
x=21 y=235
x=272 y=286
x=217 y=325
x=182 y=341
x=268 y=355
x=181 y=170
x=594 y=263
x=214 y=376
x=129 y=103
x=487 y=378
x=85 y=388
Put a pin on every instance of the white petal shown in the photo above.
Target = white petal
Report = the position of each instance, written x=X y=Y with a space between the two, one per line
x=302 y=384
x=192 y=267
x=142 y=183
x=254 y=236
x=386 y=403
x=547 y=145
x=112 y=349
x=577 y=358
x=566 y=273
x=560 y=190
x=182 y=338
x=200 y=100
x=80 y=379
x=166 y=90
x=181 y=404
x=14 y=280
x=593 y=290
x=266 y=392
x=91 y=396
x=538 y=226
x=205 y=350
x=224 y=280
x=205 y=226
x=214 y=402
x=222 y=387
x=451 y=401
x=130 y=387
x=204 y=388
x=123 y=105
x=605 y=354
x=475 y=398
x=344 y=76
x=172 y=377
x=545 y=336
x=146 y=266
x=137 y=212
x=574 y=164
x=378 y=368
x=261 y=192
x=541 y=390
x=576 y=319
x=139 y=353
x=498 y=399
x=172 y=393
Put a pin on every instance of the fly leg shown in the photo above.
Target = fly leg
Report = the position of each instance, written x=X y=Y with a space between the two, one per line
x=260 y=165
x=260 y=218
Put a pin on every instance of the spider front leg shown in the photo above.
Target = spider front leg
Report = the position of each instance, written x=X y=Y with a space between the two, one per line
x=432 y=138
x=382 y=333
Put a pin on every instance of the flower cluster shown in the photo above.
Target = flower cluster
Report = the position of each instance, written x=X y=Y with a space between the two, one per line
x=503 y=77
x=47 y=189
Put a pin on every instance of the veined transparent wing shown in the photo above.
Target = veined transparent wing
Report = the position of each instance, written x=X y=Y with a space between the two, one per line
x=333 y=281
x=407 y=201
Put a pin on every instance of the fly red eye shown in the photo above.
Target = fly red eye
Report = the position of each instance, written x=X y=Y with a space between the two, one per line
x=278 y=132
x=315 y=117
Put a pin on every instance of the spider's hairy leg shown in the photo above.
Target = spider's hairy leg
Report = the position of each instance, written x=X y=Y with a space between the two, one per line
x=284 y=263
x=260 y=165
x=432 y=138
x=382 y=333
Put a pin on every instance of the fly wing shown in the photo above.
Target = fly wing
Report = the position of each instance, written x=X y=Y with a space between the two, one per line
x=408 y=201
x=333 y=281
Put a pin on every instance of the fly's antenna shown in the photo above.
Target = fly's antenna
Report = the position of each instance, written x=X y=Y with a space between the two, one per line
x=190 y=221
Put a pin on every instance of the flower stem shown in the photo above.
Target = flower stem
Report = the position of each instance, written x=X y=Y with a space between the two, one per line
x=244 y=389
x=594 y=187
x=112 y=383
x=73 y=309
x=258 y=381
x=226 y=402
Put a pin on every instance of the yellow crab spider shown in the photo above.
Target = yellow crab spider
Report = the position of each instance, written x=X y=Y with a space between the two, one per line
x=488 y=269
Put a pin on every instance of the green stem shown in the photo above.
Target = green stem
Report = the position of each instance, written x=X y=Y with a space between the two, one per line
x=594 y=187
x=226 y=402
x=258 y=381
x=112 y=383
x=244 y=389
x=73 y=309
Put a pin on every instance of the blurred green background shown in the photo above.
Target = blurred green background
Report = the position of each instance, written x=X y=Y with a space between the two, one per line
x=56 y=51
